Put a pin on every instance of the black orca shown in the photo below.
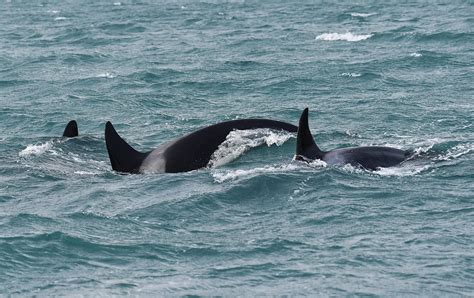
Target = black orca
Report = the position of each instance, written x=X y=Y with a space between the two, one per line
x=71 y=130
x=369 y=157
x=187 y=153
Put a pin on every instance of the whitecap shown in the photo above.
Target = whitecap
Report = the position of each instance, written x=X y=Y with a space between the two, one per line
x=106 y=75
x=35 y=149
x=416 y=54
x=402 y=171
x=240 y=141
x=457 y=151
x=351 y=74
x=362 y=15
x=60 y=19
x=343 y=36
x=117 y=3
x=223 y=176
x=84 y=173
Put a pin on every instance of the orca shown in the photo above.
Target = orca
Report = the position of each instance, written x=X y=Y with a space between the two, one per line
x=71 y=130
x=183 y=154
x=368 y=157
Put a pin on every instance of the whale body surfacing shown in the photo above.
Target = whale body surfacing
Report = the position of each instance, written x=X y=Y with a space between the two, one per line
x=183 y=154
x=367 y=157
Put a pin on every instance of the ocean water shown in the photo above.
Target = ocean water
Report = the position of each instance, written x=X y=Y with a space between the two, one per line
x=255 y=222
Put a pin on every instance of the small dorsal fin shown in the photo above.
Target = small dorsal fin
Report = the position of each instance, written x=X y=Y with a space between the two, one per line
x=305 y=145
x=122 y=156
x=71 y=129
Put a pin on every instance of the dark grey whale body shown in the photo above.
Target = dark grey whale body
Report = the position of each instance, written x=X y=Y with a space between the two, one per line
x=187 y=153
x=368 y=157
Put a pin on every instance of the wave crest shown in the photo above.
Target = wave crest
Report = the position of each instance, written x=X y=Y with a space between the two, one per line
x=35 y=149
x=240 y=141
x=343 y=36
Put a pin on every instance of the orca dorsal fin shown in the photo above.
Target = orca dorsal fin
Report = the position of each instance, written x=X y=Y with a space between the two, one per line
x=122 y=156
x=305 y=145
x=71 y=129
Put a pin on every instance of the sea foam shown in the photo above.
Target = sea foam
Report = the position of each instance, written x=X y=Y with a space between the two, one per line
x=362 y=15
x=240 y=141
x=224 y=176
x=35 y=149
x=343 y=36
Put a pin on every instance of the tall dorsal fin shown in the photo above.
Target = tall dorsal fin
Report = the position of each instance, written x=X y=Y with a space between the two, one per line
x=122 y=156
x=305 y=145
x=71 y=129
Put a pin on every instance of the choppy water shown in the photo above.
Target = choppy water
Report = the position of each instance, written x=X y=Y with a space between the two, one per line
x=398 y=74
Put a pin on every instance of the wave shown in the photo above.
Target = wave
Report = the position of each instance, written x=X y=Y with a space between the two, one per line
x=456 y=152
x=343 y=36
x=106 y=75
x=416 y=54
x=36 y=149
x=351 y=74
x=362 y=15
x=240 y=141
x=230 y=175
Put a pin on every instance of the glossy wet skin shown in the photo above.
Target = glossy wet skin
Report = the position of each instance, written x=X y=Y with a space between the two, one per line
x=187 y=153
x=368 y=157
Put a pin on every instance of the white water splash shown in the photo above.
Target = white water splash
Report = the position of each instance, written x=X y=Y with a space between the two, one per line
x=106 y=75
x=85 y=173
x=240 y=141
x=343 y=36
x=60 y=18
x=457 y=151
x=416 y=54
x=35 y=149
x=362 y=15
x=224 y=176
x=351 y=74
x=403 y=170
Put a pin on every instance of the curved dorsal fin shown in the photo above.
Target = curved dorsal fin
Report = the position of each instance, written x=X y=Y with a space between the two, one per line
x=122 y=156
x=305 y=145
x=71 y=129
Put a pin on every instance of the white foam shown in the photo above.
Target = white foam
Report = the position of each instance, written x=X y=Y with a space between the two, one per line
x=362 y=15
x=35 y=149
x=399 y=171
x=240 y=141
x=416 y=54
x=84 y=173
x=106 y=75
x=351 y=74
x=317 y=163
x=223 y=176
x=60 y=19
x=343 y=36
x=402 y=171
x=117 y=3
x=457 y=151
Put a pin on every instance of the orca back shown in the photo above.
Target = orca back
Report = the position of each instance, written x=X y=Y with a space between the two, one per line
x=194 y=150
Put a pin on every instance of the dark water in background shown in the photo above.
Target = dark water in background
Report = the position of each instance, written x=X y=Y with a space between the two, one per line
x=398 y=74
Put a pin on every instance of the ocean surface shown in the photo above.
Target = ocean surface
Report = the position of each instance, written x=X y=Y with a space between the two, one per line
x=255 y=222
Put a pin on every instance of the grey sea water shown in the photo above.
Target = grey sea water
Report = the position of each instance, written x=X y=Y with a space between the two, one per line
x=372 y=73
